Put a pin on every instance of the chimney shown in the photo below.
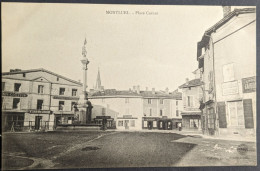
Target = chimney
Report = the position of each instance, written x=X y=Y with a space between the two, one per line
x=226 y=10
x=138 y=89
x=153 y=90
x=167 y=90
x=146 y=88
x=187 y=81
x=130 y=89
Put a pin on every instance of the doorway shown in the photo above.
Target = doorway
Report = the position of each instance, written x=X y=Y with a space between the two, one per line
x=38 y=122
x=150 y=124
x=126 y=124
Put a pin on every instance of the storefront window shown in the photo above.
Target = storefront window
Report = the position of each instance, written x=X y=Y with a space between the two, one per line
x=120 y=123
x=145 y=124
x=154 y=124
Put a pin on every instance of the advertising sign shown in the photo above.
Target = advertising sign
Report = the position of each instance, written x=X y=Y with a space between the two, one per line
x=249 y=84
x=14 y=94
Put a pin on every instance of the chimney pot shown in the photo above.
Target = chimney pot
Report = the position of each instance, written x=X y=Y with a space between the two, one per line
x=166 y=90
x=146 y=88
x=153 y=90
x=226 y=10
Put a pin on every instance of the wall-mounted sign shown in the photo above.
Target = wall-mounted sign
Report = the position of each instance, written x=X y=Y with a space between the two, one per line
x=249 y=84
x=230 y=88
x=65 y=98
x=103 y=117
x=39 y=111
x=127 y=116
x=14 y=94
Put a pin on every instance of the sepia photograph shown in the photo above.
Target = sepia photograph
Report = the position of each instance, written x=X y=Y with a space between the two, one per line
x=127 y=86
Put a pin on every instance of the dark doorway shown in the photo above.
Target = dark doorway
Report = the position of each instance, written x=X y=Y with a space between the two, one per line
x=38 y=122
x=126 y=124
x=150 y=124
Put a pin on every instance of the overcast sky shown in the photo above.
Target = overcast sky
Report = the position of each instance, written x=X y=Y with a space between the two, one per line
x=148 y=50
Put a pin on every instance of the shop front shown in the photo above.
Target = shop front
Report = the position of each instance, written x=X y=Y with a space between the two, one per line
x=150 y=123
x=164 y=123
x=128 y=122
x=191 y=121
x=63 y=118
x=107 y=121
x=13 y=121
x=39 y=120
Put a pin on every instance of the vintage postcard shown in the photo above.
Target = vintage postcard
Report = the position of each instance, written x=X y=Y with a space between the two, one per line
x=115 y=86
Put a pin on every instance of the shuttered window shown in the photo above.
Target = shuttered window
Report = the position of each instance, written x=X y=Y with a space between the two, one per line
x=222 y=115
x=248 y=113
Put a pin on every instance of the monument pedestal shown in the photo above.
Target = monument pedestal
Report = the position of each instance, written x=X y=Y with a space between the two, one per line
x=82 y=107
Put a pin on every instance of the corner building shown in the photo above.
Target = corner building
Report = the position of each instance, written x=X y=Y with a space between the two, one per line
x=227 y=60
x=37 y=99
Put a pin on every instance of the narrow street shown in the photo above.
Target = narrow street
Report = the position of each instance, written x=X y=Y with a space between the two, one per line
x=120 y=149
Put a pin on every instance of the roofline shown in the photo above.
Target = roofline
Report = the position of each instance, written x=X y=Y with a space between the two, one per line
x=187 y=86
x=43 y=70
x=236 y=12
x=125 y=96
x=114 y=96
x=224 y=20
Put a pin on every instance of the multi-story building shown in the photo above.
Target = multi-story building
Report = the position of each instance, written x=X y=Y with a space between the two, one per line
x=227 y=60
x=161 y=109
x=191 y=97
x=37 y=99
x=135 y=109
x=123 y=108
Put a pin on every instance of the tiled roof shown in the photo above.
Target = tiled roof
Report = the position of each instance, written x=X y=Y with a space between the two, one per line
x=192 y=83
x=39 y=70
x=236 y=12
x=144 y=94
x=114 y=92
x=228 y=17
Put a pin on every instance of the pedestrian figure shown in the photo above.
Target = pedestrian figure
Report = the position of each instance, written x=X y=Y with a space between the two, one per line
x=179 y=126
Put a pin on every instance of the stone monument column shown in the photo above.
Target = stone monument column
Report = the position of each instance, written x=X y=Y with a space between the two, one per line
x=82 y=104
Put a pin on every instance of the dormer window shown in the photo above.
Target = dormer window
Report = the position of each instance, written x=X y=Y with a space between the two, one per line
x=17 y=87
x=24 y=75
x=58 y=78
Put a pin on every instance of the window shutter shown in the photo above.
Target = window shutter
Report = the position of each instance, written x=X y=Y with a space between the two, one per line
x=222 y=115
x=248 y=113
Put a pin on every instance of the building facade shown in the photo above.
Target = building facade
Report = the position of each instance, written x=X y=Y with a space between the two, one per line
x=227 y=61
x=123 y=109
x=191 y=96
x=161 y=109
x=136 y=110
x=37 y=99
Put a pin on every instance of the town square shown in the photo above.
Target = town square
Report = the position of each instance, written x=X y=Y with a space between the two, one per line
x=134 y=86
